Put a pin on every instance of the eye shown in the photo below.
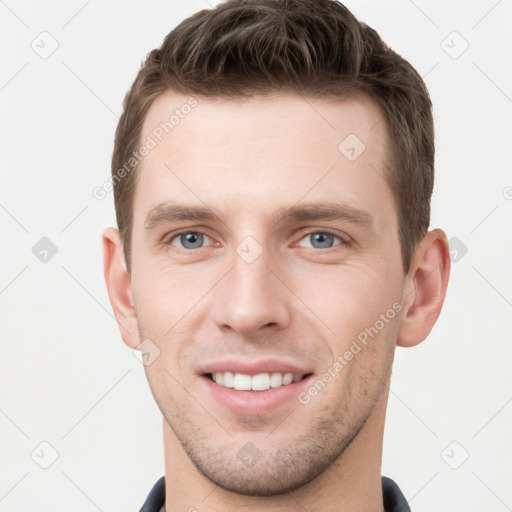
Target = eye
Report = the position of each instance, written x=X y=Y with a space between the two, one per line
x=188 y=240
x=323 y=240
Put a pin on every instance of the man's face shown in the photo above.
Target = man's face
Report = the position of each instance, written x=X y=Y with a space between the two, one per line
x=266 y=285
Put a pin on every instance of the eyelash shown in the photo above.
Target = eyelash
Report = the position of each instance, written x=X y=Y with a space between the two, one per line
x=344 y=241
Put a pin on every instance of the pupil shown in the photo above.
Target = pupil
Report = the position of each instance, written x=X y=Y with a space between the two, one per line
x=191 y=240
x=322 y=239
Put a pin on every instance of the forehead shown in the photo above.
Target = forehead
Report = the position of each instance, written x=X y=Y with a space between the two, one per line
x=263 y=150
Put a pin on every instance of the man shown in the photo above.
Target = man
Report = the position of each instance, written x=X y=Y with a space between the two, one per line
x=272 y=173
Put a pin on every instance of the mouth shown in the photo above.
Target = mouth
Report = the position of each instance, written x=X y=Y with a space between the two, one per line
x=259 y=382
x=254 y=387
x=253 y=394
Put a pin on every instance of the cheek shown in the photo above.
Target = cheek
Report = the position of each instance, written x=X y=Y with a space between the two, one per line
x=167 y=307
x=349 y=299
x=165 y=294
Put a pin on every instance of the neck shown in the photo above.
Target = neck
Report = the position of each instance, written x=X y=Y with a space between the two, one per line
x=352 y=482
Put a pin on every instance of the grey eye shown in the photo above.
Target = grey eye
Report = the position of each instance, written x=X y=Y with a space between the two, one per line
x=190 y=239
x=321 y=240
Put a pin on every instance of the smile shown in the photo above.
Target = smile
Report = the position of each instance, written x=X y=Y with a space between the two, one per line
x=259 y=382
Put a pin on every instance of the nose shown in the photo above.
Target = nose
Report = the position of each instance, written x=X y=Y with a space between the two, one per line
x=251 y=297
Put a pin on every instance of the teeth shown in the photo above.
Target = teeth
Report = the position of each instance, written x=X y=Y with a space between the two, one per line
x=260 y=382
x=276 y=380
x=227 y=380
x=242 y=382
x=287 y=378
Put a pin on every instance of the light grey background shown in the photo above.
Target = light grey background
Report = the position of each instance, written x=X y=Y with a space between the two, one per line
x=68 y=380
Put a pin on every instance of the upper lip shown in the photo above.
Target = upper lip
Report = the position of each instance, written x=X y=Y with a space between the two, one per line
x=253 y=367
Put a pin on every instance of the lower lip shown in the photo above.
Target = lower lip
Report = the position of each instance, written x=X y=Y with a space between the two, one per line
x=253 y=402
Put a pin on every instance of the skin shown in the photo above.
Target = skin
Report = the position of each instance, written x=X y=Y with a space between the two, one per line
x=299 y=301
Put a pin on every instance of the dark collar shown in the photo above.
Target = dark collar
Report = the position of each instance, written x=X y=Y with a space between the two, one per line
x=394 y=500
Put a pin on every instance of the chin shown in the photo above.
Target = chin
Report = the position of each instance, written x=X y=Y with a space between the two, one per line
x=262 y=480
x=270 y=470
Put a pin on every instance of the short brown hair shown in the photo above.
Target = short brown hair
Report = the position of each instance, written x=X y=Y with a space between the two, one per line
x=313 y=47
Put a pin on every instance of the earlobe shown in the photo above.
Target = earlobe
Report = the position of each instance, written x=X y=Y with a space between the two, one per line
x=119 y=287
x=425 y=289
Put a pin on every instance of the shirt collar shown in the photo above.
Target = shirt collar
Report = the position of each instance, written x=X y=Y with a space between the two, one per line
x=394 y=500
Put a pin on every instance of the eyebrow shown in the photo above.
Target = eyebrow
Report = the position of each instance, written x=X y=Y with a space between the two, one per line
x=169 y=212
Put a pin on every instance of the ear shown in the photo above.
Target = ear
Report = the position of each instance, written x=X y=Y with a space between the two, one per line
x=425 y=288
x=119 y=287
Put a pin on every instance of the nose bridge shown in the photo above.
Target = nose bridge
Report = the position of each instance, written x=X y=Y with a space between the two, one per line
x=251 y=296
